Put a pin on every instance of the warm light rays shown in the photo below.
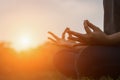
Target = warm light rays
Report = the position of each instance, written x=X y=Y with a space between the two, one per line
x=24 y=42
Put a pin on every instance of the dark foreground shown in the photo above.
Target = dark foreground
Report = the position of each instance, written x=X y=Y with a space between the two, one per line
x=50 y=62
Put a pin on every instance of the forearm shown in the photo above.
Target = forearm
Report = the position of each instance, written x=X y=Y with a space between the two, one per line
x=114 y=38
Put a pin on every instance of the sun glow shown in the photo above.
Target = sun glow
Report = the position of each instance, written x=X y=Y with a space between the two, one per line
x=23 y=43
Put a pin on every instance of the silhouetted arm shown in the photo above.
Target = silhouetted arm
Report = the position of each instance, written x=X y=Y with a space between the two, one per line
x=115 y=38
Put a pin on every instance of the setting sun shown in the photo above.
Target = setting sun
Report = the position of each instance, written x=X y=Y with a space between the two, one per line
x=23 y=42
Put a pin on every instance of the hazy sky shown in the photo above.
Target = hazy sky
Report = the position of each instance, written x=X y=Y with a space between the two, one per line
x=36 y=17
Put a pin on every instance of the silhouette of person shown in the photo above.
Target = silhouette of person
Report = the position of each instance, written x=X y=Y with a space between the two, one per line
x=102 y=59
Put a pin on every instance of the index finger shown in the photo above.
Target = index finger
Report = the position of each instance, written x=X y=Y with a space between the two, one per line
x=92 y=26
x=65 y=31
x=87 y=29
x=52 y=40
x=55 y=36
x=76 y=33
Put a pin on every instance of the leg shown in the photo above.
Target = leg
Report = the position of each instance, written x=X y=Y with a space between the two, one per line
x=64 y=62
x=97 y=61
x=94 y=61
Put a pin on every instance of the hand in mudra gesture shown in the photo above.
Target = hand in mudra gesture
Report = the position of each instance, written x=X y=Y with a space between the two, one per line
x=93 y=36
x=61 y=41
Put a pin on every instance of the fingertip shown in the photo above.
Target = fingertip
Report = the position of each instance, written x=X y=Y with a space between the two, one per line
x=86 y=20
x=67 y=28
x=48 y=38
x=89 y=22
x=49 y=32
x=85 y=24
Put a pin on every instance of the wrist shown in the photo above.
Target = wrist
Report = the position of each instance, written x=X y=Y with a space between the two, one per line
x=110 y=40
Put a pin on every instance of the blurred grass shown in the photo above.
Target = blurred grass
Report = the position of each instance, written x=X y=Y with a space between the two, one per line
x=34 y=64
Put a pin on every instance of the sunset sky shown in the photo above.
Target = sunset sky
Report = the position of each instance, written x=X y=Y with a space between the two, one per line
x=34 y=18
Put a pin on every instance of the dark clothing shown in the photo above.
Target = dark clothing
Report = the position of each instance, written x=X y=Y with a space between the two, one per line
x=94 y=61
x=111 y=16
x=100 y=61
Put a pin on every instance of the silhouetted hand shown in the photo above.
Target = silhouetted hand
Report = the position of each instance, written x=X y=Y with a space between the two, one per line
x=61 y=41
x=93 y=36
